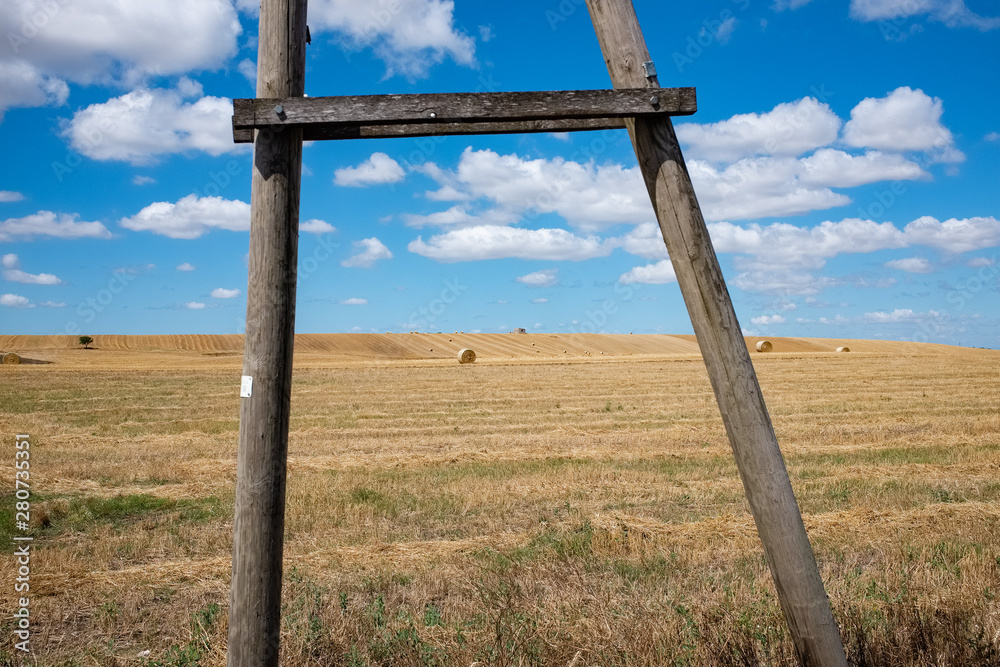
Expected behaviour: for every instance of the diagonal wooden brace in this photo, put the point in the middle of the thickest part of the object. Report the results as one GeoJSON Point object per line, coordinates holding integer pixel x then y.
{"type": "Point", "coordinates": [748, 425]}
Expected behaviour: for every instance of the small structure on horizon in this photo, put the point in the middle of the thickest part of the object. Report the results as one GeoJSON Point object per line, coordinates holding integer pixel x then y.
{"type": "Point", "coordinates": [520, 330]}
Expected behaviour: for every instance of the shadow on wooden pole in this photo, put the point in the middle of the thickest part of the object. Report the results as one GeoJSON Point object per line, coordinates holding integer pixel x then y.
{"type": "Point", "coordinates": [748, 425]}
{"type": "Point", "coordinates": [259, 524]}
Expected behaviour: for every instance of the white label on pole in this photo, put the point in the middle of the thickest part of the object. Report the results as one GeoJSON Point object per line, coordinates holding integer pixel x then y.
{"type": "Point", "coordinates": [246, 387]}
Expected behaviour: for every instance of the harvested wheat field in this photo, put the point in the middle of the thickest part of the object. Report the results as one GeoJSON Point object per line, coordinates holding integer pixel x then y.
{"type": "Point", "coordinates": [535, 507]}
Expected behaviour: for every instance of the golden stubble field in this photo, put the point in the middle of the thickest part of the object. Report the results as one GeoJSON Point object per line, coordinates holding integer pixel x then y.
{"type": "Point", "coordinates": [518, 511]}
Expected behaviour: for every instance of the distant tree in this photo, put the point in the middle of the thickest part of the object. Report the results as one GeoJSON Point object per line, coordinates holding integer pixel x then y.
{"type": "Point", "coordinates": [86, 341]}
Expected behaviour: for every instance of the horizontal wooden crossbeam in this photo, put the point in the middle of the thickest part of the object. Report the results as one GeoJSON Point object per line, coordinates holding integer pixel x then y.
{"type": "Point", "coordinates": [370, 116]}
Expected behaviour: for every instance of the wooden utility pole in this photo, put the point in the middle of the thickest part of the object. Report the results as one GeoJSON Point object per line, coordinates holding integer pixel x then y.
{"type": "Point", "coordinates": [748, 425]}
{"type": "Point", "coordinates": [259, 525]}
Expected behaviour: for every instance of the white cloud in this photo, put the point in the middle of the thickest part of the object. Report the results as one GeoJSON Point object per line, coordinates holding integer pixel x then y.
{"type": "Point", "coordinates": [496, 242]}
{"type": "Point", "coordinates": [499, 189]}
{"type": "Point", "coordinates": [141, 125]}
{"type": "Point", "coordinates": [248, 69]}
{"type": "Point", "coordinates": [781, 258]}
{"type": "Point", "coordinates": [903, 120]}
{"type": "Point", "coordinates": [23, 85]}
{"type": "Point", "coordinates": [954, 235]}
{"type": "Point", "coordinates": [367, 252]}
{"type": "Point", "coordinates": [186, 266]}
{"type": "Point", "coordinates": [900, 315]}
{"type": "Point", "coordinates": [191, 217]}
{"type": "Point", "coordinates": [194, 305]}
{"type": "Point", "coordinates": [354, 302]}
{"type": "Point", "coordinates": [316, 227]}
{"type": "Point", "coordinates": [13, 273]}
{"type": "Point", "coordinates": [725, 31]}
{"type": "Point", "coordinates": [410, 36]}
{"type": "Point", "coordinates": [15, 301]}
{"type": "Point", "coordinates": [979, 262]}
{"type": "Point", "coordinates": [722, 32]}
{"type": "Point", "coordinates": [786, 245]}
{"type": "Point", "coordinates": [880, 283]}
{"type": "Point", "coordinates": [143, 180]}
{"type": "Point", "coordinates": [758, 187]}
{"type": "Point", "coordinates": [546, 278]}
{"type": "Point", "coordinates": [764, 320]}
{"type": "Point", "coordinates": [953, 13]}
{"type": "Point", "coordinates": [781, 5]}
{"type": "Point", "coordinates": [47, 223]}
{"type": "Point", "coordinates": [461, 216]}
{"type": "Point", "coordinates": [53, 304]}
{"type": "Point", "coordinates": [911, 265]}
{"type": "Point", "coordinates": [992, 136]}
{"type": "Point", "coordinates": [652, 274]}
{"type": "Point", "coordinates": [223, 293]}
{"type": "Point", "coordinates": [790, 129]}
{"type": "Point", "coordinates": [774, 280]}
{"type": "Point", "coordinates": [379, 169]}
{"type": "Point", "coordinates": [539, 300]}
{"type": "Point", "coordinates": [588, 196]}
{"type": "Point", "coordinates": [97, 41]}
{"type": "Point", "coordinates": [780, 186]}
{"type": "Point", "coordinates": [644, 240]}
{"type": "Point", "coordinates": [10, 196]}
{"type": "Point", "coordinates": [834, 168]}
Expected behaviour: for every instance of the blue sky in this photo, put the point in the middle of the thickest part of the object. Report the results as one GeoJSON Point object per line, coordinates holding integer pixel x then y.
{"type": "Point", "coordinates": [844, 154]}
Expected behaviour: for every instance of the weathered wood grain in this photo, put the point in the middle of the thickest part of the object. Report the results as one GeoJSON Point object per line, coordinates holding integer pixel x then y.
{"type": "Point", "coordinates": [459, 113]}
{"type": "Point", "coordinates": [329, 132]}
{"type": "Point", "coordinates": [748, 424]}
{"type": "Point", "coordinates": [259, 522]}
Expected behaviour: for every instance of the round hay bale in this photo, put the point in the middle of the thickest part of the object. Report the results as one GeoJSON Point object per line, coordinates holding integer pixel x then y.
{"type": "Point", "coordinates": [843, 349]}
{"type": "Point", "coordinates": [11, 358]}
{"type": "Point", "coordinates": [466, 356]}
{"type": "Point", "coordinates": [764, 346]}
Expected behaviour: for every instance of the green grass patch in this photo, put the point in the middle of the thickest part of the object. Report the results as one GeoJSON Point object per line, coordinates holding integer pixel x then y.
{"type": "Point", "coordinates": [55, 515]}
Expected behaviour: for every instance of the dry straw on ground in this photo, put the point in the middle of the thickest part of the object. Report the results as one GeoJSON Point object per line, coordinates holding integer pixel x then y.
{"type": "Point", "coordinates": [531, 512]}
